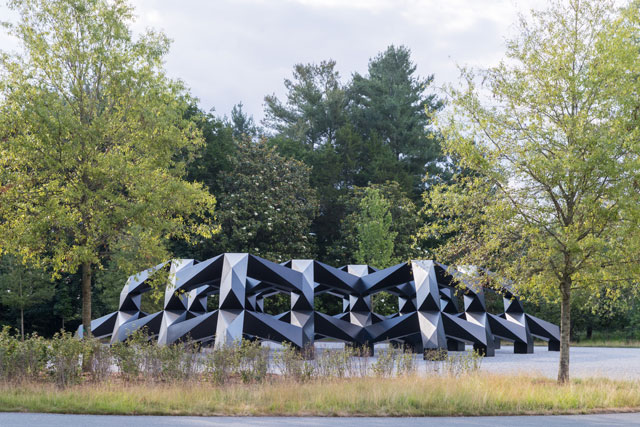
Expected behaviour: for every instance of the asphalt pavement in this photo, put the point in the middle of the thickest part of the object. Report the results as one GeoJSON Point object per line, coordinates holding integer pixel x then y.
{"type": "Point", "coordinates": [11, 419]}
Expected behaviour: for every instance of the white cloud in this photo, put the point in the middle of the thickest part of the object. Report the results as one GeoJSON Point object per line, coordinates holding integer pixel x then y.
{"type": "Point", "coordinates": [240, 50]}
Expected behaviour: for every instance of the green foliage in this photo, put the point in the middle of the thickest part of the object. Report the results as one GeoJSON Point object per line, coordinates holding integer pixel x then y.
{"type": "Point", "coordinates": [266, 205]}
{"type": "Point", "coordinates": [241, 124]}
{"type": "Point", "coordinates": [215, 156]}
{"type": "Point", "coordinates": [315, 105]}
{"type": "Point", "coordinates": [126, 354]}
{"type": "Point", "coordinates": [405, 223]}
{"type": "Point", "coordinates": [251, 361]}
{"type": "Point", "coordinates": [94, 142]}
{"type": "Point", "coordinates": [219, 364]}
{"type": "Point", "coordinates": [375, 129]}
{"type": "Point", "coordinates": [463, 363]}
{"type": "Point", "coordinates": [328, 304]}
{"type": "Point", "coordinates": [21, 360]}
{"type": "Point", "coordinates": [390, 103]}
{"type": "Point", "coordinates": [292, 364]}
{"type": "Point", "coordinates": [64, 359]}
{"type": "Point", "coordinates": [278, 303]}
{"type": "Point", "coordinates": [245, 360]}
{"type": "Point", "coordinates": [550, 202]}
{"type": "Point", "coordinates": [375, 238]}
{"type": "Point", "coordinates": [141, 358]}
{"type": "Point", "coordinates": [385, 362]}
{"type": "Point", "coordinates": [22, 287]}
{"type": "Point", "coordinates": [88, 111]}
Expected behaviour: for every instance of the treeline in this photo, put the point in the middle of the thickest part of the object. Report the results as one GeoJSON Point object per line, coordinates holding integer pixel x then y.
{"type": "Point", "coordinates": [108, 167]}
{"type": "Point", "coordinates": [292, 187]}
{"type": "Point", "coordinates": [335, 173]}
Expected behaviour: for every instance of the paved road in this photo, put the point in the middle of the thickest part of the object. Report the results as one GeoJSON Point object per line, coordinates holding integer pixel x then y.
{"type": "Point", "coordinates": [56, 420]}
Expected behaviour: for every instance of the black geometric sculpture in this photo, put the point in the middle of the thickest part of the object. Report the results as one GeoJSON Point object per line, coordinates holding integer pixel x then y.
{"type": "Point", "coordinates": [428, 315]}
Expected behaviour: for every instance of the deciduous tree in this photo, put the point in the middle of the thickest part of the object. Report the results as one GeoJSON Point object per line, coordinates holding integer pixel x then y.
{"type": "Point", "coordinates": [93, 142]}
{"type": "Point", "coordinates": [552, 148]}
{"type": "Point", "coordinates": [266, 205]}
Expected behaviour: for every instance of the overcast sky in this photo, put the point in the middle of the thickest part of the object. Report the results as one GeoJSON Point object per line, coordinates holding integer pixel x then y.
{"type": "Point", "coordinates": [229, 51]}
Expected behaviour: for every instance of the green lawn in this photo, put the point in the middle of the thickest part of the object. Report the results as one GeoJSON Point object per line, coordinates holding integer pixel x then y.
{"type": "Point", "coordinates": [607, 339]}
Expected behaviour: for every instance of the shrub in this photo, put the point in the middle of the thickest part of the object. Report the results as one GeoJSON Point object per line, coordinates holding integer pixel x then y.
{"type": "Point", "coordinates": [252, 361]}
{"type": "Point", "coordinates": [405, 362]}
{"type": "Point", "coordinates": [358, 365]}
{"type": "Point", "coordinates": [101, 358]}
{"type": "Point", "coordinates": [333, 363]}
{"type": "Point", "coordinates": [291, 363]}
{"type": "Point", "coordinates": [130, 355]}
{"type": "Point", "coordinates": [219, 363]}
{"type": "Point", "coordinates": [177, 362]}
{"type": "Point", "coordinates": [21, 360]}
{"type": "Point", "coordinates": [463, 363]}
{"type": "Point", "coordinates": [383, 366]}
{"type": "Point", "coordinates": [65, 359]}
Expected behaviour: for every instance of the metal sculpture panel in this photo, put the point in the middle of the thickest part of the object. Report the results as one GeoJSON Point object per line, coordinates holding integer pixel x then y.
{"type": "Point", "coordinates": [428, 315]}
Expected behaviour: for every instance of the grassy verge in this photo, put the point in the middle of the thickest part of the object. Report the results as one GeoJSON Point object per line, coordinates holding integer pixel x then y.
{"type": "Point", "coordinates": [608, 339]}
{"type": "Point", "coordinates": [477, 394]}
{"type": "Point", "coordinates": [621, 343]}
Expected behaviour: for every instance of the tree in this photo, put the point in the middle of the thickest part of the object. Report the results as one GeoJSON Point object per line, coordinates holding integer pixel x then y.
{"type": "Point", "coordinates": [242, 125]}
{"type": "Point", "coordinates": [551, 201]}
{"type": "Point", "coordinates": [307, 127]}
{"type": "Point", "coordinates": [94, 143]}
{"type": "Point", "coordinates": [375, 238]}
{"type": "Point", "coordinates": [314, 110]}
{"type": "Point", "coordinates": [66, 305]}
{"type": "Point", "coordinates": [375, 241]}
{"type": "Point", "coordinates": [22, 287]}
{"type": "Point", "coordinates": [390, 103]}
{"type": "Point", "coordinates": [214, 157]}
{"type": "Point", "coordinates": [405, 223]}
{"type": "Point", "coordinates": [266, 205]}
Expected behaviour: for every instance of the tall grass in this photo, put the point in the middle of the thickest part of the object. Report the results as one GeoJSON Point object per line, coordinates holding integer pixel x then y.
{"type": "Point", "coordinates": [409, 395]}
{"type": "Point", "coordinates": [245, 378]}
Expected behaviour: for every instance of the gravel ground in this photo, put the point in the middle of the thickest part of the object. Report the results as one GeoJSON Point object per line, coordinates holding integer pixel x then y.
{"type": "Point", "coordinates": [614, 363]}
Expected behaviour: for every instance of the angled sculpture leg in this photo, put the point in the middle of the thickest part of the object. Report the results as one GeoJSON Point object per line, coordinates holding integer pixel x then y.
{"type": "Point", "coordinates": [428, 304]}
{"type": "Point", "coordinates": [455, 345]}
{"type": "Point", "coordinates": [302, 303]}
{"type": "Point", "coordinates": [545, 330]}
{"type": "Point", "coordinates": [230, 324]}
{"type": "Point", "coordinates": [514, 312]}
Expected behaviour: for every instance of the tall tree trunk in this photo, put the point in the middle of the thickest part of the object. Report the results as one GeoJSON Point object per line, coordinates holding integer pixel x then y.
{"type": "Point", "coordinates": [22, 303]}
{"type": "Point", "coordinates": [86, 299]}
{"type": "Point", "coordinates": [565, 331]}
{"type": "Point", "coordinates": [86, 314]}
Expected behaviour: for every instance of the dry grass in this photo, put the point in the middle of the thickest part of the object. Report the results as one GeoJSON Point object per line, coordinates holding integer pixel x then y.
{"type": "Point", "coordinates": [477, 394]}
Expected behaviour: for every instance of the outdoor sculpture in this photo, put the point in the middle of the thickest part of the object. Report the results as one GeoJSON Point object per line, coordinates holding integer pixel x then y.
{"type": "Point", "coordinates": [428, 315]}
